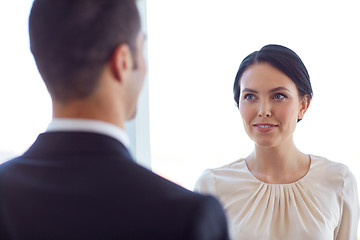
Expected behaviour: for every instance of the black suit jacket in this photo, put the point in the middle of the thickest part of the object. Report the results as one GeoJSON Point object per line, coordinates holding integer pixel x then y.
{"type": "Point", "coordinates": [77, 185]}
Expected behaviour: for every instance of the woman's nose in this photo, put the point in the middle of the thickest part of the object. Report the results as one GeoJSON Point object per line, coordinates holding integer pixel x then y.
{"type": "Point", "coordinates": [264, 109]}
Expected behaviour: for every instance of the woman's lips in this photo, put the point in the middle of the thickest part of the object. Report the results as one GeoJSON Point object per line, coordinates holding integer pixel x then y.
{"type": "Point", "coordinates": [264, 127]}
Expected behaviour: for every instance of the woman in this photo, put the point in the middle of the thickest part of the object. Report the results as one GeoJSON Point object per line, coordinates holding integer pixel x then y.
{"type": "Point", "coordinates": [278, 192]}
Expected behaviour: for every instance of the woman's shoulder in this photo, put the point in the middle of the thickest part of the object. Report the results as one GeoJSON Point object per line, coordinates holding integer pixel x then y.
{"type": "Point", "coordinates": [235, 166]}
{"type": "Point", "coordinates": [323, 164]}
{"type": "Point", "coordinates": [209, 177]}
{"type": "Point", "coordinates": [330, 172]}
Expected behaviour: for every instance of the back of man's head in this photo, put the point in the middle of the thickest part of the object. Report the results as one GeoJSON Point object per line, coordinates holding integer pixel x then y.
{"type": "Point", "coordinates": [72, 40]}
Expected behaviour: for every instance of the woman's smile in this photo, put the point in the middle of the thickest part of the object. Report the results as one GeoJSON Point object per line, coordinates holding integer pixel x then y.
{"type": "Point", "coordinates": [264, 127]}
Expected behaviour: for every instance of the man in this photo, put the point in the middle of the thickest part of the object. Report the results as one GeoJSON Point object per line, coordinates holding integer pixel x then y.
{"type": "Point", "coordinates": [78, 180]}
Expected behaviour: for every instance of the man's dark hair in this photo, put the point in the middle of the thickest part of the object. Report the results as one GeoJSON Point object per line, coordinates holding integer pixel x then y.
{"type": "Point", "coordinates": [72, 40]}
{"type": "Point", "coordinates": [281, 58]}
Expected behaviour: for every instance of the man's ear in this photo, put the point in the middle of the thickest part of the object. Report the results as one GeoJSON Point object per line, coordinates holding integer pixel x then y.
{"type": "Point", "coordinates": [304, 105]}
{"type": "Point", "coordinates": [121, 62]}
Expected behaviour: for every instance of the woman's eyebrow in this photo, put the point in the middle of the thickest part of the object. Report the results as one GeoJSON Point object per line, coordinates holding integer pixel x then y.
{"type": "Point", "coordinates": [279, 89]}
{"type": "Point", "coordinates": [249, 90]}
{"type": "Point", "coordinates": [271, 91]}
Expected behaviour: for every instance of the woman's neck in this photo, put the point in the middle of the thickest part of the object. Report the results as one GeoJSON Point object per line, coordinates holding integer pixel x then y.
{"type": "Point", "coordinates": [280, 164]}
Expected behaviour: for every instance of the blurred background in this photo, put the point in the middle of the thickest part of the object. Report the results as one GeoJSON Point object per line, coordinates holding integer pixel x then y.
{"type": "Point", "coordinates": [194, 48]}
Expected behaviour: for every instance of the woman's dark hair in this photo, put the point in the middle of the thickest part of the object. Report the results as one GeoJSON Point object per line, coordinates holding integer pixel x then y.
{"type": "Point", "coordinates": [281, 58]}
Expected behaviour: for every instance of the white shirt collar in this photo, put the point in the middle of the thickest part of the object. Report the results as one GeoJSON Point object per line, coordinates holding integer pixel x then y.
{"type": "Point", "coordinates": [89, 125]}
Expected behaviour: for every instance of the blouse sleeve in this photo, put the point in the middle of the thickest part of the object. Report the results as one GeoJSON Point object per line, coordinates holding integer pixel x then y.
{"type": "Point", "coordinates": [347, 228]}
{"type": "Point", "coordinates": [205, 183]}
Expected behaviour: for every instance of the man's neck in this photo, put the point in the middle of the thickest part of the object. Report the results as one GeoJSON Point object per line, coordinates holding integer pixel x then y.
{"type": "Point", "coordinates": [87, 109]}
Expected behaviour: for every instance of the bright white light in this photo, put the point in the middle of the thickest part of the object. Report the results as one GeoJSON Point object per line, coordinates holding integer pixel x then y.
{"type": "Point", "coordinates": [195, 48]}
{"type": "Point", "coordinates": [25, 108]}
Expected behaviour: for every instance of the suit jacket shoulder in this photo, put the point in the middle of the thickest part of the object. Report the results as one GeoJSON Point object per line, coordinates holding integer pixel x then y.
{"type": "Point", "coordinates": [77, 185]}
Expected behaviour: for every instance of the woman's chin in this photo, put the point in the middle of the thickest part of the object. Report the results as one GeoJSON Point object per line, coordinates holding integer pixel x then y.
{"type": "Point", "coordinates": [265, 143]}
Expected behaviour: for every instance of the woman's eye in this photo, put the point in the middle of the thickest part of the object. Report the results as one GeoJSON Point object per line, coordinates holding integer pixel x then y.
{"type": "Point", "coordinates": [249, 97]}
{"type": "Point", "coordinates": [279, 96]}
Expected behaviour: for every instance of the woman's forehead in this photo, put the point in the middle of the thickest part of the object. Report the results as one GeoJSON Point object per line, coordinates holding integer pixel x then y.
{"type": "Point", "coordinates": [263, 75]}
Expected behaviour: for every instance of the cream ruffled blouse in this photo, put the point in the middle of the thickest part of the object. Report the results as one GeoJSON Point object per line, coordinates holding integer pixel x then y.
{"type": "Point", "coordinates": [322, 205]}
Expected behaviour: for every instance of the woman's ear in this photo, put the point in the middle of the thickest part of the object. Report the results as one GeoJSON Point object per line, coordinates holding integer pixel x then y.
{"type": "Point", "coordinates": [304, 105]}
{"type": "Point", "coordinates": [121, 62]}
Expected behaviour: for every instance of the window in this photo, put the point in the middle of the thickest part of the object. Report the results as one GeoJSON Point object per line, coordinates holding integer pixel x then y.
{"type": "Point", "coordinates": [25, 105]}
